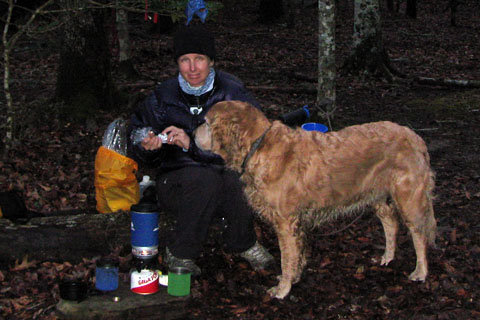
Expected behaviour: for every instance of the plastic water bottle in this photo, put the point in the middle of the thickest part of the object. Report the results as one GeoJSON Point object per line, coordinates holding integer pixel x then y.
{"type": "Point", "coordinates": [144, 184]}
{"type": "Point", "coordinates": [139, 134]}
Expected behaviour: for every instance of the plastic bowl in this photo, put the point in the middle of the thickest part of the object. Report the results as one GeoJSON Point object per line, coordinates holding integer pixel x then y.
{"type": "Point", "coordinates": [313, 126]}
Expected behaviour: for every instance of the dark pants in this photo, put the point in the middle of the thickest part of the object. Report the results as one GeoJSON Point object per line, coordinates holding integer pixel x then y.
{"type": "Point", "coordinates": [196, 195]}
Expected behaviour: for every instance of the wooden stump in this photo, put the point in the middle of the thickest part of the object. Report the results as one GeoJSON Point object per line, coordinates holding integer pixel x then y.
{"type": "Point", "coordinates": [124, 304]}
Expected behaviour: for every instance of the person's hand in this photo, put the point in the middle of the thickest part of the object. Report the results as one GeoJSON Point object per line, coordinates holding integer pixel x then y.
{"type": "Point", "coordinates": [151, 142]}
{"type": "Point", "coordinates": [177, 137]}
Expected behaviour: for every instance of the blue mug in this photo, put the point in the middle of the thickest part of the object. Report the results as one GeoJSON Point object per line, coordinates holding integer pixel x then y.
{"type": "Point", "coordinates": [106, 275]}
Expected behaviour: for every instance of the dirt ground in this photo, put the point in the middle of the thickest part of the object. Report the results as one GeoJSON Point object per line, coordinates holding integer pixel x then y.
{"type": "Point", "coordinates": [53, 167]}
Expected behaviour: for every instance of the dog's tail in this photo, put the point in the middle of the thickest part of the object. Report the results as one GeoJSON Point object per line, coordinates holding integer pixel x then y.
{"type": "Point", "coordinates": [431, 223]}
{"type": "Point", "coordinates": [420, 147]}
{"type": "Point", "coordinates": [431, 226]}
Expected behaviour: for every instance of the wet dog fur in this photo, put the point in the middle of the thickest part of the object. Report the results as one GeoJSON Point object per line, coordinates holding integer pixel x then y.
{"type": "Point", "coordinates": [296, 179]}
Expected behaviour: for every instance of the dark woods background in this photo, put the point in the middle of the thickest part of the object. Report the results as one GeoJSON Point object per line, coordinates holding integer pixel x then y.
{"type": "Point", "coordinates": [274, 51]}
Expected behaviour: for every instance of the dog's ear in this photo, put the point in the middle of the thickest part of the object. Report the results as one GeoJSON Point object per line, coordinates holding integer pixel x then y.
{"type": "Point", "coordinates": [224, 138]}
{"type": "Point", "coordinates": [226, 133]}
{"type": "Point", "coordinates": [233, 141]}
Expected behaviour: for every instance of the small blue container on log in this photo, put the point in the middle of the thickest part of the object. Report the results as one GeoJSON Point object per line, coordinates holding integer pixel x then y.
{"type": "Point", "coordinates": [106, 275]}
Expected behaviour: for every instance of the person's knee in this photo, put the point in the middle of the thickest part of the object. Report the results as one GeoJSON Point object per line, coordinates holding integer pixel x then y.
{"type": "Point", "coordinates": [205, 180]}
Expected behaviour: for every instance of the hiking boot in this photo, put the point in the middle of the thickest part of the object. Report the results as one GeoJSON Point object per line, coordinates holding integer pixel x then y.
{"type": "Point", "coordinates": [257, 256]}
{"type": "Point", "coordinates": [173, 262]}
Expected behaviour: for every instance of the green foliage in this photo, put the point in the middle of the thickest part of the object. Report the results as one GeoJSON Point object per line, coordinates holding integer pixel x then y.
{"type": "Point", "coordinates": [176, 8]}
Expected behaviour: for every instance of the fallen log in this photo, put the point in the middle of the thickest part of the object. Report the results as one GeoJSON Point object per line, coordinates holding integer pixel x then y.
{"type": "Point", "coordinates": [449, 82]}
{"type": "Point", "coordinates": [64, 238]}
{"type": "Point", "coordinates": [283, 89]}
{"type": "Point", "coordinates": [124, 304]}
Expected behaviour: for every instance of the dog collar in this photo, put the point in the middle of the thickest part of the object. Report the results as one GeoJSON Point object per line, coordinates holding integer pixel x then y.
{"type": "Point", "coordinates": [255, 145]}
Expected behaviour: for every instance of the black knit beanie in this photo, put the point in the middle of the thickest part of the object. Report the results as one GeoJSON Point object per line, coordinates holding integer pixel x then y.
{"type": "Point", "coordinates": [193, 39]}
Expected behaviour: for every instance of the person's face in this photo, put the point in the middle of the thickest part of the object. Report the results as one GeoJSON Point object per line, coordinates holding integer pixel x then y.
{"type": "Point", "coordinates": [194, 68]}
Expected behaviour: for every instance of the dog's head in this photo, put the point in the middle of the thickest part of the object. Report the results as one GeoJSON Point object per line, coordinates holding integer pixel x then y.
{"type": "Point", "coordinates": [229, 130]}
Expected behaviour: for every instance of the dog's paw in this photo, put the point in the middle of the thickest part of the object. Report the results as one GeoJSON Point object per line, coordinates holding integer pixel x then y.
{"type": "Point", "coordinates": [279, 291]}
{"type": "Point", "coordinates": [386, 259]}
{"type": "Point", "coordinates": [417, 276]}
{"type": "Point", "coordinates": [275, 292]}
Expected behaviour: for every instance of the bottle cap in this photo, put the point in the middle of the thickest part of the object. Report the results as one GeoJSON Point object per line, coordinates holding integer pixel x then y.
{"type": "Point", "coordinates": [144, 206]}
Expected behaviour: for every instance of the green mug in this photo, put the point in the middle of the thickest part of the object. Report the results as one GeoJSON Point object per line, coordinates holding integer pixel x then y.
{"type": "Point", "coordinates": [179, 281]}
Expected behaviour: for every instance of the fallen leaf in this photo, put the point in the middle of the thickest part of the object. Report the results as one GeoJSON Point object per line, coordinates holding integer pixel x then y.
{"type": "Point", "coordinates": [453, 236]}
{"type": "Point", "coordinates": [325, 262]}
{"type": "Point", "coordinates": [5, 289]}
{"type": "Point", "coordinates": [359, 276]}
{"type": "Point", "coordinates": [81, 196]}
{"type": "Point", "coordinates": [240, 310]}
{"type": "Point", "coordinates": [46, 188]}
{"type": "Point", "coordinates": [462, 293]}
{"type": "Point", "coordinates": [449, 268]}
{"type": "Point", "coordinates": [25, 264]}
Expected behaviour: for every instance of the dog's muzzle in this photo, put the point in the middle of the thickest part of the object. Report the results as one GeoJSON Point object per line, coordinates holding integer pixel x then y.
{"type": "Point", "coordinates": [202, 137]}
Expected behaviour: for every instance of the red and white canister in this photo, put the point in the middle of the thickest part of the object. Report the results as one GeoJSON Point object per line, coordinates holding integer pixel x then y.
{"type": "Point", "coordinates": [144, 281]}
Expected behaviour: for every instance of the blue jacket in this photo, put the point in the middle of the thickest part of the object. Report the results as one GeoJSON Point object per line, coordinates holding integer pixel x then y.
{"type": "Point", "coordinates": [169, 105]}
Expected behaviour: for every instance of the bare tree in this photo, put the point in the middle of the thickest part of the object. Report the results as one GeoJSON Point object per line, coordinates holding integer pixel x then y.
{"type": "Point", "coordinates": [270, 11]}
{"type": "Point", "coordinates": [9, 42]}
{"type": "Point", "coordinates": [368, 53]}
{"type": "Point", "coordinates": [411, 10]}
{"type": "Point", "coordinates": [84, 79]}
{"type": "Point", "coordinates": [125, 66]}
{"type": "Point", "coordinates": [390, 5]}
{"type": "Point", "coordinates": [326, 58]}
{"type": "Point", "coordinates": [452, 6]}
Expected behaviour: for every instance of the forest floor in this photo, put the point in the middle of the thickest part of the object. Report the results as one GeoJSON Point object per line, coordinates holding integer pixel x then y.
{"type": "Point", "coordinates": [53, 167]}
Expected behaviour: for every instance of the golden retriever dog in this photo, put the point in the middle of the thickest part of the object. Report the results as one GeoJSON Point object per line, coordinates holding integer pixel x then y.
{"type": "Point", "coordinates": [296, 179]}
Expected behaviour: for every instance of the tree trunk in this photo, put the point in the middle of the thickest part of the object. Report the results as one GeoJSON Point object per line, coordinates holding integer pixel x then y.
{"type": "Point", "coordinates": [390, 5]}
{"type": "Point", "coordinates": [453, 4]}
{"type": "Point", "coordinates": [453, 83]}
{"type": "Point", "coordinates": [326, 56]}
{"type": "Point", "coordinates": [368, 55]}
{"type": "Point", "coordinates": [9, 41]}
{"type": "Point", "coordinates": [159, 306]}
{"type": "Point", "coordinates": [7, 128]}
{"type": "Point", "coordinates": [270, 11]}
{"type": "Point", "coordinates": [64, 238]}
{"type": "Point", "coordinates": [84, 80]}
{"type": "Point", "coordinates": [291, 16]}
{"type": "Point", "coordinates": [411, 10]}
{"type": "Point", "coordinates": [125, 63]}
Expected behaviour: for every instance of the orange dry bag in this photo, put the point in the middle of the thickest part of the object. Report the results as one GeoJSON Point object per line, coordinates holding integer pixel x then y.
{"type": "Point", "coordinates": [116, 186]}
